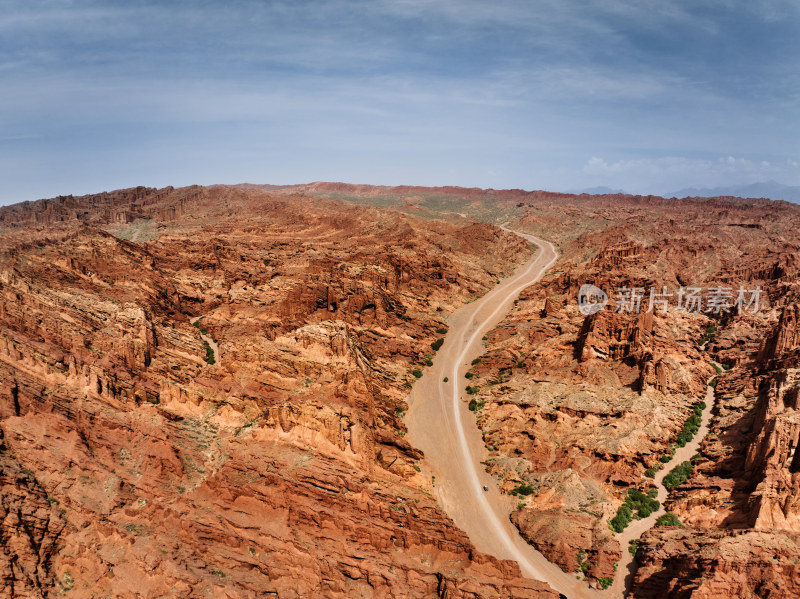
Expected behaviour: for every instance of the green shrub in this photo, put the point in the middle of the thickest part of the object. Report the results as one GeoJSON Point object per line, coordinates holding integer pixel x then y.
{"type": "Point", "coordinates": [692, 425]}
{"type": "Point", "coordinates": [445, 379]}
{"type": "Point", "coordinates": [442, 331]}
{"type": "Point", "coordinates": [651, 471]}
{"type": "Point", "coordinates": [476, 405]}
{"type": "Point", "coordinates": [428, 359]}
{"type": "Point", "coordinates": [678, 475]}
{"type": "Point", "coordinates": [622, 519]}
{"type": "Point", "coordinates": [716, 368]}
{"type": "Point", "coordinates": [637, 505]}
{"type": "Point", "coordinates": [209, 353]}
{"type": "Point", "coordinates": [708, 335]}
{"type": "Point", "coordinates": [417, 373]}
{"type": "Point", "coordinates": [668, 519]}
{"type": "Point", "coordinates": [633, 547]}
{"type": "Point", "coordinates": [606, 581]}
{"type": "Point", "coordinates": [523, 489]}
{"type": "Point", "coordinates": [643, 503]}
{"type": "Point", "coordinates": [476, 361]}
{"type": "Point", "coordinates": [473, 390]}
{"type": "Point", "coordinates": [469, 375]}
{"type": "Point", "coordinates": [437, 344]}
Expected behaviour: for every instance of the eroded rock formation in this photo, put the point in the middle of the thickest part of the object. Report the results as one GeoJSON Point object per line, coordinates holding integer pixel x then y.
{"type": "Point", "coordinates": [132, 466]}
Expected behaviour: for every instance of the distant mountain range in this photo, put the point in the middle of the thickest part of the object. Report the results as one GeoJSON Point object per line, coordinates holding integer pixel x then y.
{"type": "Point", "coordinates": [768, 189]}
{"type": "Point", "coordinates": [601, 190]}
{"type": "Point", "coordinates": [765, 189]}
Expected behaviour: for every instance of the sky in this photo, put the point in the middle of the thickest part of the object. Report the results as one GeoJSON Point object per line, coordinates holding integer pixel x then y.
{"type": "Point", "coordinates": [536, 94]}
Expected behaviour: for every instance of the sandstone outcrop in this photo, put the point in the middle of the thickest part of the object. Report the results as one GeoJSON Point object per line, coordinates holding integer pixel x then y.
{"type": "Point", "coordinates": [785, 338]}
{"type": "Point", "coordinates": [131, 465]}
{"type": "Point", "coordinates": [687, 563]}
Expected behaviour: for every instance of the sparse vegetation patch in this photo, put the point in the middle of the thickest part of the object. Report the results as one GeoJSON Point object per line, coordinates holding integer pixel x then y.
{"type": "Point", "coordinates": [668, 519]}
{"type": "Point", "coordinates": [678, 475]}
{"type": "Point", "coordinates": [637, 505]}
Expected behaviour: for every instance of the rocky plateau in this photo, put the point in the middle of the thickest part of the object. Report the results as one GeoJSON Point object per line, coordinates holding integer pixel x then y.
{"type": "Point", "coordinates": [202, 391]}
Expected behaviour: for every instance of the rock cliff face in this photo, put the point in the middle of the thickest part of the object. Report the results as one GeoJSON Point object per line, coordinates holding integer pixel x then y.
{"type": "Point", "coordinates": [740, 506]}
{"type": "Point", "coordinates": [131, 465]}
{"type": "Point", "coordinates": [738, 509]}
{"type": "Point", "coordinates": [30, 533]}
{"type": "Point", "coordinates": [685, 563]}
{"type": "Point", "coordinates": [785, 339]}
{"type": "Point", "coordinates": [116, 208]}
{"type": "Point", "coordinates": [609, 335]}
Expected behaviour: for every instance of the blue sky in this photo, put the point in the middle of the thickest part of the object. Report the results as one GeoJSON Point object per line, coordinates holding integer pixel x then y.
{"type": "Point", "coordinates": [539, 94]}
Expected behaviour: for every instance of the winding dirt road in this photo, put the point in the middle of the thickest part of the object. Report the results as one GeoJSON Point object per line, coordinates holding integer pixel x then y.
{"type": "Point", "coordinates": [441, 425]}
